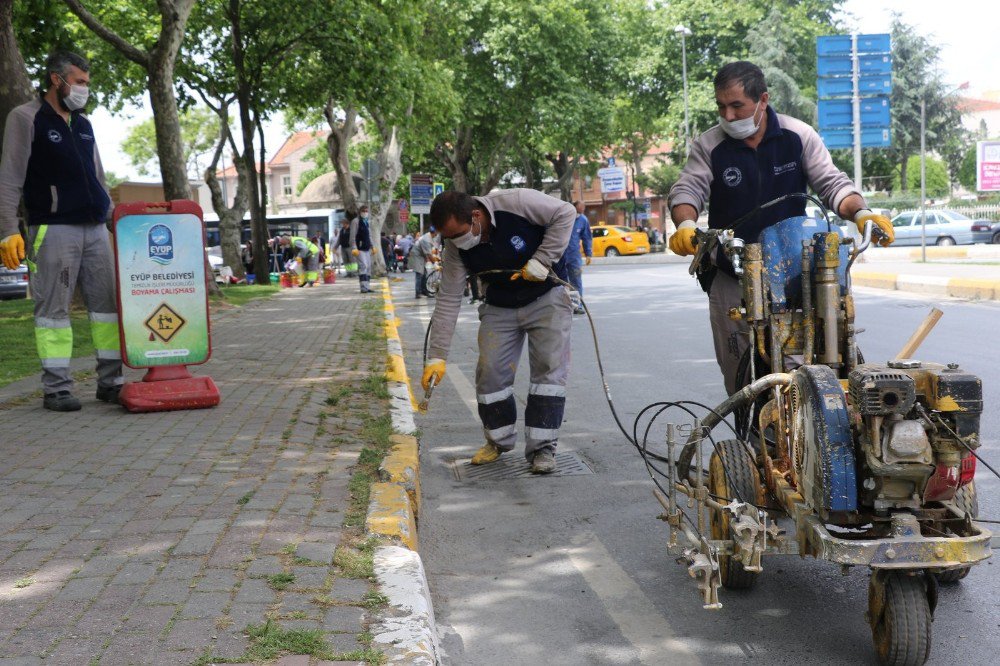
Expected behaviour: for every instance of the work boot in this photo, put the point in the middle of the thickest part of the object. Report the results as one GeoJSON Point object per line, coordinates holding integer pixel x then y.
{"type": "Point", "coordinates": [490, 452]}
{"type": "Point", "coordinates": [543, 462]}
{"type": "Point", "coordinates": [579, 311]}
{"type": "Point", "coordinates": [61, 401]}
{"type": "Point", "coordinates": [109, 393]}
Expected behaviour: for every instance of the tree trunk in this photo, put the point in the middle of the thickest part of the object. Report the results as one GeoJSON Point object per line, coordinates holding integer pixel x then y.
{"type": "Point", "coordinates": [169, 146]}
{"type": "Point", "coordinates": [338, 144]}
{"type": "Point", "coordinates": [903, 181]}
{"type": "Point", "coordinates": [15, 86]}
{"type": "Point", "coordinates": [390, 169]}
{"type": "Point", "coordinates": [230, 217]}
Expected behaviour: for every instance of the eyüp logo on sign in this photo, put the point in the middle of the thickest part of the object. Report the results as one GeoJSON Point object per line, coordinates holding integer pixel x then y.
{"type": "Point", "coordinates": [161, 244]}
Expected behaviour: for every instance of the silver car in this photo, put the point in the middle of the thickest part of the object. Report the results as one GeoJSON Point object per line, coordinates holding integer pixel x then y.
{"type": "Point", "coordinates": [13, 283]}
{"type": "Point", "coordinates": [943, 227]}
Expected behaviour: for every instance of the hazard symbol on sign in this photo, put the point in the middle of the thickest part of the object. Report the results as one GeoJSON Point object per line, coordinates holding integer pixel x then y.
{"type": "Point", "coordinates": [164, 322]}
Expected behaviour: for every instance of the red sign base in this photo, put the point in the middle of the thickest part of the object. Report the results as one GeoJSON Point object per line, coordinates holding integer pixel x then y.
{"type": "Point", "coordinates": [167, 388]}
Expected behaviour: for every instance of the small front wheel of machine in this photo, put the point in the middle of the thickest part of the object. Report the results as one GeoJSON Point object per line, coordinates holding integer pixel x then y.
{"type": "Point", "coordinates": [732, 474]}
{"type": "Point", "coordinates": [899, 613]}
{"type": "Point", "coordinates": [945, 240]}
{"type": "Point", "coordinates": [612, 252]}
{"type": "Point", "coordinates": [434, 281]}
{"type": "Point", "coordinates": [968, 502]}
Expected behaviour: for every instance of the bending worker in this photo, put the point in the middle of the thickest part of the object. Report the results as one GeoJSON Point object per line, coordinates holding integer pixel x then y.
{"type": "Point", "coordinates": [50, 157]}
{"type": "Point", "coordinates": [523, 233]}
{"type": "Point", "coordinates": [574, 262]}
{"type": "Point", "coordinates": [752, 156]}
{"type": "Point", "coordinates": [307, 254]}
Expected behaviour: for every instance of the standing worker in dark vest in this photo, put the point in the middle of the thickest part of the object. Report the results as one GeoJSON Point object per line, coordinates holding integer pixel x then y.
{"type": "Point", "coordinates": [50, 157]}
{"type": "Point", "coordinates": [361, 248]}
{"type": "Point", "coordinates": [523, 233]}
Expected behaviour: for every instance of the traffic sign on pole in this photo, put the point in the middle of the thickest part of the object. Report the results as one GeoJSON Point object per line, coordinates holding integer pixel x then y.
{"type": "Point", "coordinates": [421, 193]}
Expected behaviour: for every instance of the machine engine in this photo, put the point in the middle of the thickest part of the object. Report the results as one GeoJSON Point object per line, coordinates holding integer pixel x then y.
{"type": "Point", "coordinates": [911, 420]}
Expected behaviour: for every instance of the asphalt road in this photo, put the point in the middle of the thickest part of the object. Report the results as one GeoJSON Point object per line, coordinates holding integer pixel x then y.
{"type": "Point", "coordinates": [574, 570]}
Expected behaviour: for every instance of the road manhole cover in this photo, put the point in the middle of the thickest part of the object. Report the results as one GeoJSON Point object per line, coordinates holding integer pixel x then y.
{"type": "Point", "coordinates": [514, 466]}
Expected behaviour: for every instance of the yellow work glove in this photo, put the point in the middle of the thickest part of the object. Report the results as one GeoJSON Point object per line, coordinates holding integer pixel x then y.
{"type": "Point", "coordinates": [533, 271]}
{"type": "Point", "coordinates": [355, 252]}
{"type": "Point", "coordinates": [12, 251]}
{"type": "Point", "coordinates": [682, 240]}
{"type": "Point", "coordinates": [433, 370]}
{"type": "Point", "coordinates": [881, 221]}
{"type": "Point", "coordinates": [588, 261]}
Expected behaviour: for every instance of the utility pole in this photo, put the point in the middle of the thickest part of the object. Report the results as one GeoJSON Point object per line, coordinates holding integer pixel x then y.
{"type": "Point", "coordinates": [683, 31]}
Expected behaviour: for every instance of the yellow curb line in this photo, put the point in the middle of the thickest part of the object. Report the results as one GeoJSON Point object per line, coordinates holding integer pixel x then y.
{"type": "Point", "coordinates": [395, 500]}
{"type": "Point", "coordinates": [973, 288]}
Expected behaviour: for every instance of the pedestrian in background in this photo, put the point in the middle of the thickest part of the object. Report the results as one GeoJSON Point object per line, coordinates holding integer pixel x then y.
{"type": "Point", "coordinates": [344, 245]}
{"type": "Point", "coordinates": [522, 234]}
{"type": "Point", "coordinates": [387, 254]}
{"type": "Point", "coordinates": [361, 248]}
{"type": "Point", "coordinates": [50, 158]}
{"type": "Point", "coordinates": [305, 254]}
{"type": "Point", "coordinates": [420, 254]}
{"type": "Point", "coordinates": [574, 261]}
{"type": "Point", "coordinates": [404, 244]}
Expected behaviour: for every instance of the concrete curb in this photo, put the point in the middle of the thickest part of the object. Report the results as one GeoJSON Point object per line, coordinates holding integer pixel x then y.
{"type": "Point", "coordinates": [406, 631]}
{"type": "Point", "coordinates": [967, 288]}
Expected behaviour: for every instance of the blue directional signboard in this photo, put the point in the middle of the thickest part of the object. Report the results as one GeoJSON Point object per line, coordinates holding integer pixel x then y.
{"type": "Point", "coordinates": [849, 67]}
{"type": "Point", "coordinates": [421, 193]}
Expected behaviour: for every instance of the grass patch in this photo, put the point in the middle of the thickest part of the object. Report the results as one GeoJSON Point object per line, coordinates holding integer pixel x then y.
{"type": "Point", "coordinates": [281, 581]}
{"type": "Point", "coordinates": [368, 655]}
{"type": "Point", "coordinates": [354, 563]}
{"type": "Point", "coordinates": [376, 385]}
{"type": "Point", "coordinates": [268, 641]}
{"type": "Point", "coordinates": [246, 498]}
{"type": "Point", "coordinates": [241, 294]}
{"type": "Point", "coordinates": [23, 582]}
{"type": "Point", "coordinates": [374, 600]}
{"type": "Point", "coordinates": [17, 339]}
{"type": "Point", "coordinates": [336, 396]}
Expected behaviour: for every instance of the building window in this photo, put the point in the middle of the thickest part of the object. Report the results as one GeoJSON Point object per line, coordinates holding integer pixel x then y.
{"type": "Point", "coordinates": [286, 185]}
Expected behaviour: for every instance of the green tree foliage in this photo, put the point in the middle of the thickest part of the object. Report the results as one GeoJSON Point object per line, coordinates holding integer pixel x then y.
{"type": "Point", "coordinates": [916, 78]}
{"type": "Point", "coordinates": [967, 170]}
{"type": "Point", "coordinates": [938, 184]}
{"type": "Point", "coordinates": [199, 133]}
{"type": "Point", "coordinates": [773, 47]}
{"type": "Point", "coordinates": [660, 178]}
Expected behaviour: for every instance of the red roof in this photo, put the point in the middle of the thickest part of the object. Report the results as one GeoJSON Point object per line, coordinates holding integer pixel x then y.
{"type": "Point", "coordinates": [230, 171]}
{"type": "Point", "coordinates": [295, 142]}
{"type": "Point", "coordinates": [970, 105]}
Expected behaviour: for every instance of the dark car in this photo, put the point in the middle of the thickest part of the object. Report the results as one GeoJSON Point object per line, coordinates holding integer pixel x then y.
{"type": "Point", "coordinates": [13, 283]}
{"type": "Point", "coordinates": [984, 231]}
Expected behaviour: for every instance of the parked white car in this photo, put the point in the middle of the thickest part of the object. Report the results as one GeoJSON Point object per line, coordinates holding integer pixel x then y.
{"type": "Point", "coordinates": [943, 227]}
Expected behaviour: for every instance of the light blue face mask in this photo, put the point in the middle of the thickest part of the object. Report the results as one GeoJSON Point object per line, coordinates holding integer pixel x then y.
{"type": "Point", "coordinates": [468, 240]}
{"type": "Point", "coordinates": [743, 128]}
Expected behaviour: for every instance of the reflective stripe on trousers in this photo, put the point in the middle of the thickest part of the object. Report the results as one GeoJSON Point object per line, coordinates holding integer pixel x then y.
{"type": "Point", "coordinates": [546, 323]}
{"type": "Point", "coordinates": [64, 256]}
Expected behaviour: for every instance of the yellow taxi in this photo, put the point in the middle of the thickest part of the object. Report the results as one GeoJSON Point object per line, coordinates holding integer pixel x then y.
{"type": "Point", "coordinates": [612, 241]}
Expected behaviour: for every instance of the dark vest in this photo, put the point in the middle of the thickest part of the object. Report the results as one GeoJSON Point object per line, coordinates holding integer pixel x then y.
{"type": "Point", "coordinates": [61, 185]}
{"type": "Point", "coordinates": [363, 237]}
{"type": "Point", "coordinates": [513, 241]}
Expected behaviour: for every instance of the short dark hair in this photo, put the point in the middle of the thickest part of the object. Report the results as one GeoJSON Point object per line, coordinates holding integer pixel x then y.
{"type": "Point", "coordinates": [59, 63]}
{"type": "Point", "coordinates": [746, 74]}
{"type": "Point", "coordinates": [452, 204]}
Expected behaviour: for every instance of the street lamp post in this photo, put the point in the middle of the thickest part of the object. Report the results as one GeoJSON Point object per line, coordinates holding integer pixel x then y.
{"type": "Point", "coordinates": [684, 32]}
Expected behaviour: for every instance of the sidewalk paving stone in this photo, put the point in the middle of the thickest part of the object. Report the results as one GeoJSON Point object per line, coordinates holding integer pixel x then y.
{"type": "Point", "coordinates": [148, 538]}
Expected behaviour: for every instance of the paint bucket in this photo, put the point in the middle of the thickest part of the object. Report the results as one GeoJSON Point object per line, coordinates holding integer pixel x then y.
{"type": "Point", "coordinates": [286, 280]}
{"type": "Point", "coordinates": [329, 277]}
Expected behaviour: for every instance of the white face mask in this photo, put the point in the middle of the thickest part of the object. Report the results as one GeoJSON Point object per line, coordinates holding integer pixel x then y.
{"type": "Point", "coordinates": [468, 240]}
{"type": "Point", "coordinates": [743, 128]}
{"type": "Point", "coordinates": [77, 97]}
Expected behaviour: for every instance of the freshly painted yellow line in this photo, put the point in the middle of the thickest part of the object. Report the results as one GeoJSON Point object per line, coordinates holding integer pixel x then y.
{"type": "Point", "coordinates": [396, 368]}
{"type": "Point", "coordinates": [390, 515]}
{"type": "Point", "coordinates": [402, 466]}
{"type": "Point", "coordinates": [877, 280]}
{"type": "Point", "coordinates": [973, 288]}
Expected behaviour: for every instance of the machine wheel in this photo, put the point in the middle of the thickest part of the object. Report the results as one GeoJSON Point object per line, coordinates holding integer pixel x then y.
{"type": "Point", "coordinates": [434, 281]}
{"type": "Point", "coordinates": [900, 616]}
{"type": "Point", "coordinates": [732, 474]}
{"type": "Point", "coordinates": [945, 240]}
{"type": "Point", "coordinates": [967, 501]}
